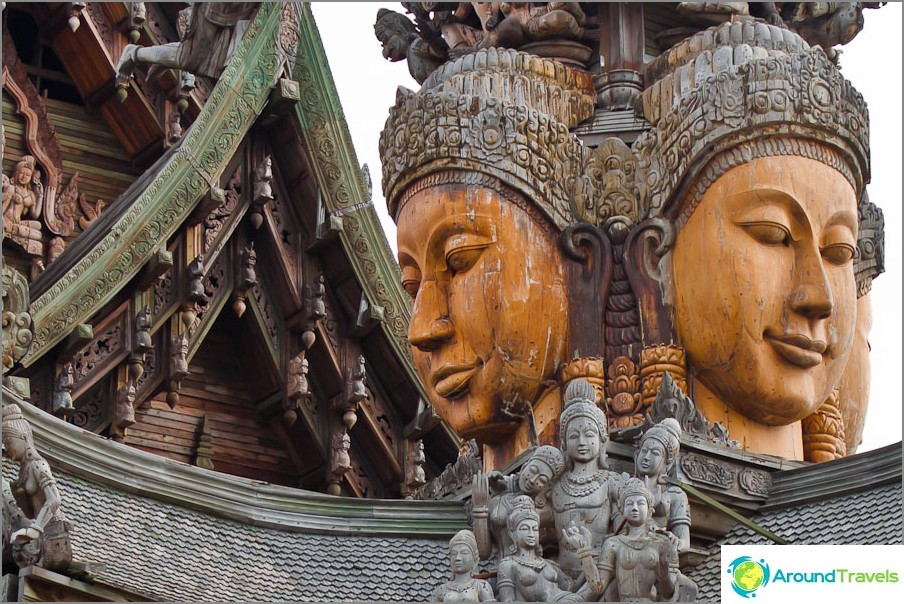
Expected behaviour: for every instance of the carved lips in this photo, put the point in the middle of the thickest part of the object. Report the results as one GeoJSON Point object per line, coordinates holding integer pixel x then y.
{"type": "Point", "coordinates": [451, 381]}
{"type": "Point", "coordinates": [798, 349]}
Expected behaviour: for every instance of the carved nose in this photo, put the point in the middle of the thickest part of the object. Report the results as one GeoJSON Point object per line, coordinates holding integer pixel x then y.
{"type": "Point", "coordinates": [812, 296]}
{"type": "Point", "coordinates": [438, 331]}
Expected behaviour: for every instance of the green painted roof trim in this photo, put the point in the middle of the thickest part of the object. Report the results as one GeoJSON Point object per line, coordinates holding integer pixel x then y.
{"type": "Point", "coordinates": [345, 192]}
{"type": "Point", "coordinates": [96, 459]}
{"type": "Point", "coordinates": [175, 190]}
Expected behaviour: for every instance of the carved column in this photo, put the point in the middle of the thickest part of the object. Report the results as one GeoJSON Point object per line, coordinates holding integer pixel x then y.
{"type": "Point", "coordinates": [622, 49]}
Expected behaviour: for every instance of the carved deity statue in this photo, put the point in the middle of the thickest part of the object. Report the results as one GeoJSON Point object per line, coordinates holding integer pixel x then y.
{"type": "Point", "coordinates": [490, 513]}
{"type": "Point", "coordinates": [44, 540]}
{"type": "Point", "coordinates": [777, 166]}
{"type": "Point", "coordinates": [511, 234]}
{"type": "Point", "coordinates": [214, 30]}
{"type": "Point", "coordinates": [479, 231]}
{"type": "Point", "coordinates": [586, 493]}
{"type": "Point", "coordinates": [463, 560]}
{"type": "Point", "coordinates": [524, 576]}
{"type": "Point", "coordinates": [340, 462]}
{"type": "Point", "coordinates": [22, 203]}
{"type": "Point", "coordinates": [639, 565]}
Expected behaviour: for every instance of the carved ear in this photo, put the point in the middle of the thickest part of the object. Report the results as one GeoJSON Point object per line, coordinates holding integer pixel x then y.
{"type": "Point", "coordinates": [645, 248]}
{"type": "Point", "coordinates": [588, 254]}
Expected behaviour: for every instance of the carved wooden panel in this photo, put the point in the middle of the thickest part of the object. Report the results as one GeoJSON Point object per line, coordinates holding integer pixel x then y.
{"type": "Point", "coordinates": [268, 317]}
{"type": "Point", "coordinates": [707, 471]}
{"type": "Point", "coordinates": [94, 411]}
{"type": "Point", "coordinates": [110, 345]}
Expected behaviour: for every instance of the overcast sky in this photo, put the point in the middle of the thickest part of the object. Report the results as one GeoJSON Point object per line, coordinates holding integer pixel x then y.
{"type": "Point", "coordinates": [367, 85]}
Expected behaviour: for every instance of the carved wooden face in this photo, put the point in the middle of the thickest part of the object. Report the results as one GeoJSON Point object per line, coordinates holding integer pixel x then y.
{"type": "Point", "coordinates": [764, 291]}
{"type": "Point", "coordinates": [527, 534]}
{"type": "Point", "coordinates": [489, 320]}
{"type": "Point", "coordinates": [461, 558]}
{"type": "Point", "coordinates": [636, 509]}
{"type": "Point", "coordinates": [650, 458]}
{"type": "Point", "coordinates": [534, 477]}
{"type": "Point", "coordinates": [582, 440]}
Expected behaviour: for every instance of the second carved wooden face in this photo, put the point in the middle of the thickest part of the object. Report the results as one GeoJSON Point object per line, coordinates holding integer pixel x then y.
{"type": "Point", "coordinates": [764, 291]}
{"type": "Point", "coordinates": [489, 321]}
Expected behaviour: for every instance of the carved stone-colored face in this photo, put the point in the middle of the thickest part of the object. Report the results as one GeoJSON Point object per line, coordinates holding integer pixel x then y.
{"type": "Point", "coordinates": [489, 320]}
{"type": "Point", "coordinates": [650, 458]}
{"type": "Point", "coordinates": [636, 509]}
{"type": "Point", "coordinates": [461, 559]}
{"type": "Point", "coordinates": [14, 446]}
{"type": "Point", "coordinates": [527, 534]}
{"type": "Point", "coordinates": [534, 477]}
{"type": "Point", "coordinates": [764, 290]}
{"type": "Point", "coordinates": [582, 440]}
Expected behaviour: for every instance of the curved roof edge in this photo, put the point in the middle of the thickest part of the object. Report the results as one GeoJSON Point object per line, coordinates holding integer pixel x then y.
{"type": "Point", "coordinates": [97, 459]}
{"type": "Point", "coordinates": [114, 253]}
{"type": "Point", "coordinates": [851, 474]}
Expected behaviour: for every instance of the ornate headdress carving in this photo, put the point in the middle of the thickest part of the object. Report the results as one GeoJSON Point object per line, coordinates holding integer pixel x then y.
{"type": "Point", "coordinates": [635, 486]}
{"type": "Point", "coordinates": [14, 423]}
{"type": "Point", "coordinates": [552, 457]}
{"type": "Point", "coordinates": [522, 508]}
{"type": "Point", "coordinates": [580, 401]}
{"type": "Point", "coordinates": [738, 91]}
{"type": "Point", "coordinates": [465, 537]}
{"type": "Point", "coordinates": [667, 432]}
{"type": "Point", "coordinates": [495, 112]}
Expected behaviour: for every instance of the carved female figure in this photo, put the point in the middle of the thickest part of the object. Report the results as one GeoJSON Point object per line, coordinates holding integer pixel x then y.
{"type": "Point", "coordinates": [654, 461]}
{"type": "Point", "coordinates": [21, 200]}
{"type": "Point", "coordinates": [463, 560]}
{"type": "Point", "coordinates": [585, 494]}
{"type": "Point", "coordinates": [524, 576]}
{"type": "Point", "coordinates": [490, 514]}
{"type": "Point", "coordinates": [640, 565]}
{"type": "Point", "coordinates": [45, 539]}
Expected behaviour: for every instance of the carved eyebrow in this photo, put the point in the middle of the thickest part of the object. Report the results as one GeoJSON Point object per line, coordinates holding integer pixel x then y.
{"type": "Point", "coordinates": [843, 218]}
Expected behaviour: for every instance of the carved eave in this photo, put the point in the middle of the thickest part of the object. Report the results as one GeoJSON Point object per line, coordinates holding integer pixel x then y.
{"type": "Point", "coordinates": [127, 236]}
{"type": "Point", "coordinates": [319, 120]}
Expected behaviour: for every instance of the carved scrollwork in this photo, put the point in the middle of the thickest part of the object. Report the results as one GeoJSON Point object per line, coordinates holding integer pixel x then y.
{"type": "Point", "coordinates": [708, 471]}
{"type": "Point", "coordinates": [17, 323]}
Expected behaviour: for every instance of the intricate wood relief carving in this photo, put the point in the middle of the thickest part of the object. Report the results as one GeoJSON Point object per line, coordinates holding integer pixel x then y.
{"type": "Point", "coordinates": [870, 262]}
{"type": "Point", "coordinates": [455, 476]}
{"type": "Point", "coordinates": [17, 322]}
{"type": "Point", "coordinates": [708, 471]}
{"type": "Point", "coordinates": [672, 402]}
{"type": "Point", "coordinates": [624, 401]}
{"type": "Point", "coordinates": [216, 220]}
{"type": "Point", "coordinates": [655, 361]}
{"type": "Point", "coordinates": [824, 432]}
{"type": "Point", "coordinates": [95, 411]}
{"type": "Point", "coordinates": [104, 351]}
{"type": "Point", "coordinates": [755, 482]}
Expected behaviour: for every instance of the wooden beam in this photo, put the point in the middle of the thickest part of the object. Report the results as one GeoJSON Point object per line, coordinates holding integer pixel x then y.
{"type": "Point", "coordinates": [159, 263]}
{"type": "Point", "coordinates": [75, 341]}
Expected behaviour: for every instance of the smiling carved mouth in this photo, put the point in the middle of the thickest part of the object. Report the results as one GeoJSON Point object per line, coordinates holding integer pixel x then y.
{"type": "Point", "coordinates": [452, 381]}
{"type": "Point", "coordinates": [797, 349]}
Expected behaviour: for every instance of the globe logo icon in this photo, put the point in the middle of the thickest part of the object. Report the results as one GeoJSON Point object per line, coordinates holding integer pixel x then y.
{"type": "Point", "coordinates": [748, 575]}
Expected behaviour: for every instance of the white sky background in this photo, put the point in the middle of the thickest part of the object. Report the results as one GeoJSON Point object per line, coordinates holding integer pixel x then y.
{"type": "Point", "coordinates": [872, 61]}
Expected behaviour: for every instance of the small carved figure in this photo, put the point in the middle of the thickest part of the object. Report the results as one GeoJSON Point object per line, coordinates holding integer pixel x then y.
{"type": "Point", "coordinates": [22, 201]}
{"type": "Point", "coordinates": [490, 514]}
{"type": "Point", "coordinates": [524, 576]}
{"type": "Point", "coordinates": [357, 391]}
{"type": "Point", "coordinates": [124, 411]}
{"type": "Point", "coordinates": [179, 357]}
{"type": "Point", "coordinates": [588, 491]}
{"type": "Point", "coordinates": [415, 476]}
{"type": "Point", "coordinates": [640, 565]}
{"type": "Point", "coordinates": [248, 276]}
{"type": "Point", "coordinates": [318, 292]}
{"type": "Point", "coordinates": [297, 382]}
{"type": "Point", "coordinates": [340, 462]}
{"type": "Point", "coordinates": [90, 209]}
{"type": "Point", "coordinates": [45, 540]}
{"type": "Point", "coordinates": [400, 41]}
{"type": "Point", "coordinates": [195, 289]}
{"type": "Point", "coordinates": [263, 175]}
{"type": "Point", "coordinates": [143, 341]}
{"type": "Point", "coordinates": [62, 391]}
{"type": "Point", "coordinates": [463, 560]}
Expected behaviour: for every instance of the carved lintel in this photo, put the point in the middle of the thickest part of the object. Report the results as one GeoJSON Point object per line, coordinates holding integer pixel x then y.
{"type": "Point", "coordinates": [369, 316]}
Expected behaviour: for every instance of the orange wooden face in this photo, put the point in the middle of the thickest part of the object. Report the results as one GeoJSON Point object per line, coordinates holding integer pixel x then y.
{"type": "Point", "coordinates": [764, 291]}
{"type": "Point", "coordinates": [489, 320]}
